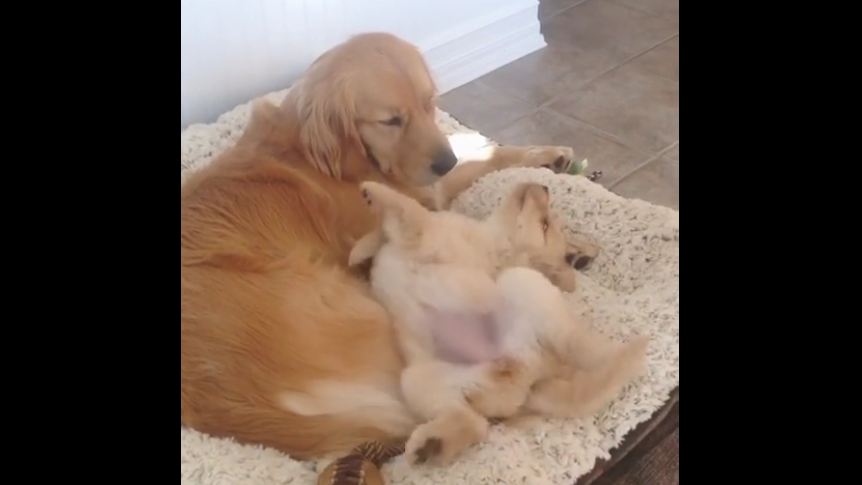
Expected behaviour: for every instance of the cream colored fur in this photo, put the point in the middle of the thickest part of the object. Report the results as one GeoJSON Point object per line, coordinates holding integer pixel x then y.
{"type": "Point", "coordinates": [631, 288]}
{"type": "Point", "coordinates": [434, 266]}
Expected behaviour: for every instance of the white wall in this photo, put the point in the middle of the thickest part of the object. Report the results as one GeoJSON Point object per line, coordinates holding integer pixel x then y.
{"type": "Point", "coordinates": [234, 50]}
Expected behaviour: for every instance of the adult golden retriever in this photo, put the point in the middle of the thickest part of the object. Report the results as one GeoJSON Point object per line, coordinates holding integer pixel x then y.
{"type": "Point", "coordinates": [269, 305]}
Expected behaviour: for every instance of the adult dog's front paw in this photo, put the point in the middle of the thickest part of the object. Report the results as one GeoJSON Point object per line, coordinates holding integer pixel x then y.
{"type": "Point", "coordinates": [557, 159]}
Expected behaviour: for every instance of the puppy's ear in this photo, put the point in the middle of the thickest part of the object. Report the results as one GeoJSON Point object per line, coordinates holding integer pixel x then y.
{"type": "Point", "coordinates": [523, 196]}
{"type": "Point", "coordinates": [535, 194]}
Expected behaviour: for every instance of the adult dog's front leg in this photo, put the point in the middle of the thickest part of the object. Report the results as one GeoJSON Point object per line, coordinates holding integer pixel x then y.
{"type": "Point", "coordinates": [460, 178]}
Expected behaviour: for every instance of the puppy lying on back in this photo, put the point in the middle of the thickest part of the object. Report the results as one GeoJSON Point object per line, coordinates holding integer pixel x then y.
{"type": "Point", "coordinates": [483, 329]}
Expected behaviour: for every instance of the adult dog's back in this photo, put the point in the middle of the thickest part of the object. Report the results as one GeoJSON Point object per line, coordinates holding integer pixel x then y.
{"type": "Point", "coordinates": [267, 306]}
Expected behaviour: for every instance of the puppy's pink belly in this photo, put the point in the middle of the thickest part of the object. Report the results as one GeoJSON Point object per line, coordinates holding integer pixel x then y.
{"type": "Point", "coordinates": [465, 339]}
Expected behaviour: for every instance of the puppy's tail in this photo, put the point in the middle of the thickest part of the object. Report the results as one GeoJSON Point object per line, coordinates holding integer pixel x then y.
{"type": "Point", "coordinates": [586, 391]}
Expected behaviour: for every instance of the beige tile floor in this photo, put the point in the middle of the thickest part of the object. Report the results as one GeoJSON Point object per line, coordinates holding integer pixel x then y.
{"type": "Point", "coordinates": [607, 84]}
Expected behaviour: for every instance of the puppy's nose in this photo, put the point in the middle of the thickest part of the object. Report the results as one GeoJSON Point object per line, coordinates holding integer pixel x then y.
{"type": "Point", "coordinates": [443, 161]}
{"type": "Point", "coordinates": [574, 261]}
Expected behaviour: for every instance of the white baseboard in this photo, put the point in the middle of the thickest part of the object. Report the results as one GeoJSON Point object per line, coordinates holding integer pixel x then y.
{"type": "Point", "coordinates": [478, 47]}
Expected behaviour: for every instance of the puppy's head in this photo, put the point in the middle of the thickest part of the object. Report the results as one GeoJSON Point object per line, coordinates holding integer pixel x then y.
{"type": "Point", "coordinates": [373, 94]}
{"type": "Point", "coordinates": [535, 235]}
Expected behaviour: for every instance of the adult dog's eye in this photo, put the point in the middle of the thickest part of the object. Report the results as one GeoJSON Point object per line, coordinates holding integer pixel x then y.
{"type": "Point", "coordinates": [394, 121]}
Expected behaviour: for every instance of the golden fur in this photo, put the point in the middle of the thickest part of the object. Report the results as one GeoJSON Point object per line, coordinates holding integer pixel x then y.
{"type": "Point", "coordinates": [268, 303]}
{"type": "Point", "coordinates": [480, 323]}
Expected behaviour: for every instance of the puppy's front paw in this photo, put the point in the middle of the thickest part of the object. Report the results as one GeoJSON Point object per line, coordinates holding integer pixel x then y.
{"type": "Point", "coordinates": [381, 198]}
{"type": "Point", "coordinates": [442, 439]}
{"type": "Point", "coordinates": [425, 447]}
{"type": "Point", "coordinates": [429, 448]}
{"type": "Point", "coordinates": [369, 193]}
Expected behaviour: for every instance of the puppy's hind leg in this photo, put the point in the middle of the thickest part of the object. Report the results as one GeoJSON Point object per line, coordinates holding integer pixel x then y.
{"type": "Point", "coordinates": [434, 391]}
{"type": "Point", "coordinates": [536, 307]}
{"type": "Point", "coordinates": [442, 439]}
{"type": "Point", "coordinates": [600, 367]}
{"type": "Point", "coordinates": [586, 391]}
{"type": "Point", "coordinates": [582, 347]}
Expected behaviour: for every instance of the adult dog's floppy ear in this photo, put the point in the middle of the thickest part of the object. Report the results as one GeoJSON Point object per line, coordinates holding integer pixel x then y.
{"type": "Point", "coordinates": [327, 113]}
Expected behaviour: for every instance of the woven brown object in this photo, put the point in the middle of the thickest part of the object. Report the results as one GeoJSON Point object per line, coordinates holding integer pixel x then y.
{"type": "Point", "coordinates": [377, 452]}
{"type": "Point", "coordinates": [361, 466]}
{"type": "Point", "coordinates": [351, 470]}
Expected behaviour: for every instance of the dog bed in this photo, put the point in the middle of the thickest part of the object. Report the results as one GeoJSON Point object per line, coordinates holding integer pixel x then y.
{"type": "Point", "coordinates": [631, 288]}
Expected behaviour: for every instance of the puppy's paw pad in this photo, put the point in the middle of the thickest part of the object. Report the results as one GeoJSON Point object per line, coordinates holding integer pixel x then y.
{"type": "Point", "coordinates": [374, 194]}
{"type": "Point", "coordinates": [366, 191]}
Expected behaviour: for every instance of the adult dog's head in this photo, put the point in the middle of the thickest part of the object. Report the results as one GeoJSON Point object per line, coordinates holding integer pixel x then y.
{"type": "Point", "coordinates": [372, 95]}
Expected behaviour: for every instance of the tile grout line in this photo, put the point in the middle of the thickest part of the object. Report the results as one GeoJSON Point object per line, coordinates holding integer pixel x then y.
{"type": "Point", "coordinates": [601, 132]}
{"type": "Point", "coordinates": [514, 95]}
{"type": "Point", "coordinates": [553, 99]}
{"type": "Point", "coordinates": [641, 10]}
{"type": "Point", "coordinates": [649, 160]}
{"type": "Point", "coordinates": [614, 68]}
{"type": "Point", "coordinates": [595, 129]}
{"type": "Point", "coordinates": [564, 9]}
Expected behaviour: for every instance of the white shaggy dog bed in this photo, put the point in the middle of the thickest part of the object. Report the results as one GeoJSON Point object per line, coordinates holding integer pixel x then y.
{"type": "Point", "coordinates": [632, 287]}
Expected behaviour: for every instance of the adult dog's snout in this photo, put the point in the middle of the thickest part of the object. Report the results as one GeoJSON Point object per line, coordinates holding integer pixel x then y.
{"type": "Point", "coordinates": [444, 160]}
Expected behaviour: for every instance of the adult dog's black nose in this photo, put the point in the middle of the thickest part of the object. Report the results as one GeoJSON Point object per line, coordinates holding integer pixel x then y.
{"type": "Point", "coordinates": [444, 160]}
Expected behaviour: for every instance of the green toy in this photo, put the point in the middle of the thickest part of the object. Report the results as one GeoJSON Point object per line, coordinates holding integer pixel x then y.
{"type": "Point", "coordinates": [579, 168]}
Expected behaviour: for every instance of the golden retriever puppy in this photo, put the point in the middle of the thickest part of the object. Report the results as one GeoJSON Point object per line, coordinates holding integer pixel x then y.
{"type": "Point", "coordinates": [478, 326]}
{"type": "Point", "coordinates": [282, 344]}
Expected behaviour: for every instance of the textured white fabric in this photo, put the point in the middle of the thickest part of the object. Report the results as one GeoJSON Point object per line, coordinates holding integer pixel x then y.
{"type": "Point", "coordinates": [632, 287]}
